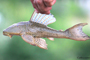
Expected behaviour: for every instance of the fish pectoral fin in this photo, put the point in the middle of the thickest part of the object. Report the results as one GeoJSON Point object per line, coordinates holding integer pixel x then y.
{"type": "Point", "coordinates": [34, 41]}
{"type": "Point", "coordinates": [52, 39]}
{"type": "Point", "coordinates": [29, 39]}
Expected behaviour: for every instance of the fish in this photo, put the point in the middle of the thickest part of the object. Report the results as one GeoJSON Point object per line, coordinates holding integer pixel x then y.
{"type": "Point", "coordinates": [34, 30]}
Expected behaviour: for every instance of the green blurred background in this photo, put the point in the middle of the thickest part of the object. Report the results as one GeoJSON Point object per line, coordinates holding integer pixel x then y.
{"type": "Point", "coordinates": [67, 13]}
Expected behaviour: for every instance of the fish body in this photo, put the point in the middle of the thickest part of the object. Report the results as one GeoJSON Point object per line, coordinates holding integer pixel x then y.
{"type": "Point", "coordinates": [34, 30]}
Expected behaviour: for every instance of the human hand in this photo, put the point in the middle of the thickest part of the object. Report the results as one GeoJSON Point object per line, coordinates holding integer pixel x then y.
{"type": "Point", "coordinates": [43, 6]}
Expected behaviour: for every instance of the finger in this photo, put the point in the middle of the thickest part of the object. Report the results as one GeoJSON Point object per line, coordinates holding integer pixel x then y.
{"type": "Point", "coordinates": [45, 10]}
{"type": "Point", "coordinates": [36, 6]}
{"type": "Point", "coordinates": [49, 3]}
{"type": "Point", "coordinates": [39, 5]}
{"type": "Point", "coordinates": [53, 2]}
{"type": "Point", "coordinates": [42, 8]}
{"type": "Point", "coordinates": [32, 1]}
{"type": "Point", "coordinates": [48, 12]}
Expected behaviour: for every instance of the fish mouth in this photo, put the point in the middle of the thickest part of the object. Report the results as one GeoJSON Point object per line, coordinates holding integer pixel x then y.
{"type": "Point", "coordinates": [7, 34]}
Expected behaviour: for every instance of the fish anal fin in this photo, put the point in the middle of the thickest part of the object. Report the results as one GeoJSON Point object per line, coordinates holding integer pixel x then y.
{"type": "Point", "coordinates": [34, 41]}
{"type": "Point", "coordinates": [52, 39]}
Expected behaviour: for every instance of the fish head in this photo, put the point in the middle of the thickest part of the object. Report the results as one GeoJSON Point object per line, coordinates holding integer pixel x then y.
{"type": "Point", "coordinates": [12, 30]}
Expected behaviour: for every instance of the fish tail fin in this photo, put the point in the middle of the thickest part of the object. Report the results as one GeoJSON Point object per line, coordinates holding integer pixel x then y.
{"type": "Point", "coordinates": [76, 33]}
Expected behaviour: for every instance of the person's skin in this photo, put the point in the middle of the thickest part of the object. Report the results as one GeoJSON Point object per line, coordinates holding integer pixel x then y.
{"type": "Point", "coordinates": [43, 6]}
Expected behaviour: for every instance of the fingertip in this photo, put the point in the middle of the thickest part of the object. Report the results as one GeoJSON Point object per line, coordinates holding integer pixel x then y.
{"type": "Point", "coordinates": [54, 1]}
{"type": "Point", "coordinates": [49, 3]}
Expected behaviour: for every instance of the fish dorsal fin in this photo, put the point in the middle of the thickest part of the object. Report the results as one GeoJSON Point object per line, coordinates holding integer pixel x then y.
{"type": "Point", "coordinates": [34, 41]}
{"type": "Point", "coordinates": [42, 18]}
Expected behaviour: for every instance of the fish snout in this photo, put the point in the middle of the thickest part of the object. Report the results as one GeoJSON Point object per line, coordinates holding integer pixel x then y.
{"type": "Point", "coordinates": [7, 34]}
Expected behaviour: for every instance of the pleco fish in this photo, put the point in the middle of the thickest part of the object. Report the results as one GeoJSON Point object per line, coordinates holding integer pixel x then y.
{"type": "Point", "coordinates": [34, 30]}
